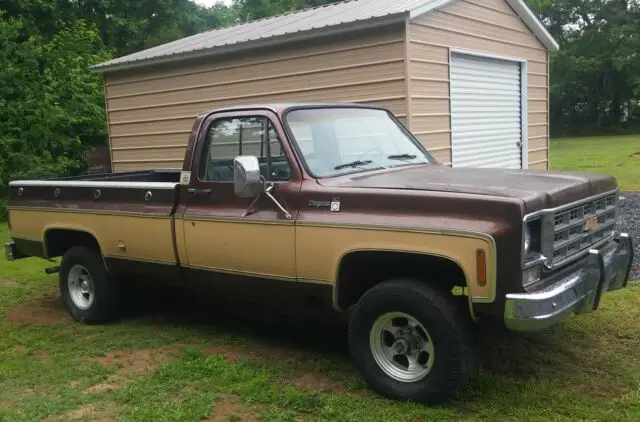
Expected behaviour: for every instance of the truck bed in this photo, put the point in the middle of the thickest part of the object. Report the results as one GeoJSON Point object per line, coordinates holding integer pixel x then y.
{"type": "Point", "coordinates": [151, 176]}
{"type": "Point", "coordinates": [129, 214]}
{"type": "Point", "coordinates": [143, 185]}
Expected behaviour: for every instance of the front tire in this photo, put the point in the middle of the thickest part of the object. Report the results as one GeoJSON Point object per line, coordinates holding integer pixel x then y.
{"type": "Point", "coordinates": [410, 342]}
{"type": "Point", "coordinates": [90, 293]}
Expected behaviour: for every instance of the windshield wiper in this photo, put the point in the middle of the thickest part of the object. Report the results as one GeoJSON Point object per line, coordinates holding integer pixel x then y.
{"type": "Point", "coordinates": [353, 164]}
{"type": "Point", "coordinates": [402, 157]}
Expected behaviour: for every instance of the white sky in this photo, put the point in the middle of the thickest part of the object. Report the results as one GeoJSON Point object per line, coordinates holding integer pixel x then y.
{"type": "Point", "coordinates": [209, 3]}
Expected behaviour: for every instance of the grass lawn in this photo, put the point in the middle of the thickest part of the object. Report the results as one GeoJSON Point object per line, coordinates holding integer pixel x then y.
{"type": "Point", "coordinates": [169, 363]}
{"type": "Point", "coordinates": [612, 155]}
{"type": "Point", "coordinates": [172, 362]}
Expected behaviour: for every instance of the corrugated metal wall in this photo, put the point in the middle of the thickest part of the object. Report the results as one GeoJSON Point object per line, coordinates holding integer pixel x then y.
{"type": "Point", "coordinates": [489, 26]}
{"type": "Point", "coordinates": [151, 112]}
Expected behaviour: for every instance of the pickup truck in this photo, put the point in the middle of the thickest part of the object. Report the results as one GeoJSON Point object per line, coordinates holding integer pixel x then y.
{"type": "Point", "coordinates": [337, 203]}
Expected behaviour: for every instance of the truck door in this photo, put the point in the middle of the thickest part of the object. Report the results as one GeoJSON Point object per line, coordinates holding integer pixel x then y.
{"type": "Point", "coordinates": [219, 243]}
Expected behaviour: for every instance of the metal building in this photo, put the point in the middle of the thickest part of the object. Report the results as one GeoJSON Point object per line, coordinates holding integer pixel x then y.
{"type": "Point", "coordinates": [469, 77]}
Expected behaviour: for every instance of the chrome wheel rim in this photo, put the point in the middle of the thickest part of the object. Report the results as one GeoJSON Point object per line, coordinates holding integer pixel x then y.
{"type": "Point", "coordinates": [402, 347]}
{"type": "Point", "coordinates": [81, 288]}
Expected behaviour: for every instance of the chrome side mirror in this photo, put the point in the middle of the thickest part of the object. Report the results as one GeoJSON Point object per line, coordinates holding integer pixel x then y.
{"type": "Point", "coordinates": [247, 182]}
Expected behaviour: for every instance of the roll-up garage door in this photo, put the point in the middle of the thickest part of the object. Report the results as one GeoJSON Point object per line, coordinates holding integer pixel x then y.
{"type": "Point", "coordinates": [486, 112]}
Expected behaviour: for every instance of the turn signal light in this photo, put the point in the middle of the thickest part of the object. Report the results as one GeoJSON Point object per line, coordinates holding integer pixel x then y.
{"type": "Point", "coordinates": [481, 268]}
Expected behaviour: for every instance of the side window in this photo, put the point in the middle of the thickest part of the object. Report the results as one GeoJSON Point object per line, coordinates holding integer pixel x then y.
{"type": "Point", "coordinates": [229, 137]}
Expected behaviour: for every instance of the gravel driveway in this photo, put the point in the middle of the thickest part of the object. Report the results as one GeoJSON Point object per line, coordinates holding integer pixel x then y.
{"type": "Point", "coordinates": [630, 222]}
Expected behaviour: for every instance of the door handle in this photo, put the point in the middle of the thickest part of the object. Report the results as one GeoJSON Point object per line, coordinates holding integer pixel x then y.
{"type": "Point", "coordinates": [198, 192]}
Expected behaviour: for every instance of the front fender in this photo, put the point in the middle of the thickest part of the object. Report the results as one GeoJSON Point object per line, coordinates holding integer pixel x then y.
{"type": "Point", "coordinates": [320, 249]}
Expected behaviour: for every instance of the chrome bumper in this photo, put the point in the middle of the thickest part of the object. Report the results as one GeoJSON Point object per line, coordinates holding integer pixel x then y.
{"type": "Point", "coordinates": [11, 252]}
{"type": "Point", "coordinates": [607, 269]}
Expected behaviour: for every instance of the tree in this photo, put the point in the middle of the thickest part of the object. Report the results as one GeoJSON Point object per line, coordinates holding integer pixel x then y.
{"type": "Point", "coordinates": [51, 105]}
{"type": "Point", "coordinates": [257, 9]}
{"type": "Point", "coordinates": [594, 76]}
{"type": "Point", "coordinates": [51, 108]}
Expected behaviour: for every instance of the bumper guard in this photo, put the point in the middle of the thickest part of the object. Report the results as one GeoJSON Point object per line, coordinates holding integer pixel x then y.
{"type": "Point", "coordinates": [607, 269]}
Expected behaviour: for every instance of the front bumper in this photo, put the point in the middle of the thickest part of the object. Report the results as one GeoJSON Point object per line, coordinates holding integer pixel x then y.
{"type": "Point", "coordinates": [607, 269]}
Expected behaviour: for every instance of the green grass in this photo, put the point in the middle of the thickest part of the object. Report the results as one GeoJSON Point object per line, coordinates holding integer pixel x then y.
{"type": "Point", "coordinates": [160, 366]}
{"type": "Point", "coordinates": [611, 155]}
{"type": "Point", "coordinates": [163, 366]}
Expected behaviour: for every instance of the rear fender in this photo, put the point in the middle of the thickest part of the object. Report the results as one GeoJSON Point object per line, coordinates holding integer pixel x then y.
{"type": "Point", "coordinates": [71, 228]}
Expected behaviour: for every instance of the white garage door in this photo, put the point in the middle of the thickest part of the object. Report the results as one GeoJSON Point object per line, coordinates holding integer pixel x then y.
{"type": "Point", "coordinates": [486, 117]}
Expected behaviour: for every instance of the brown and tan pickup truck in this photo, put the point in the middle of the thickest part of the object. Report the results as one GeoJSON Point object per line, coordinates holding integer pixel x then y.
{"type": "Point", "coordinates": [338, 203]}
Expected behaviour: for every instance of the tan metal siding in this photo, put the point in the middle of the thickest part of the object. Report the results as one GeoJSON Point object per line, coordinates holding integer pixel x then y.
{"type": "Point", "coordinates": [486, 26]}
{"type": "Point", "coordinates": [151, 112]}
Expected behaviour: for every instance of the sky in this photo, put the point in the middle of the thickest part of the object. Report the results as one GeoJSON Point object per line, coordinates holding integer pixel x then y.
{"type": "Point", "coordinates": [212, 2]}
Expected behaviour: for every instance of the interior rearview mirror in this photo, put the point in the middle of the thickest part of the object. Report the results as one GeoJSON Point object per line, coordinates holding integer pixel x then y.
{"type": "Point", "coordinates": [247, 182]}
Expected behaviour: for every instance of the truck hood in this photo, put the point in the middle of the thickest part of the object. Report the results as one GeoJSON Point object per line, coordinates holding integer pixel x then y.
{"type": "Point", "coordinates": [538, 189]}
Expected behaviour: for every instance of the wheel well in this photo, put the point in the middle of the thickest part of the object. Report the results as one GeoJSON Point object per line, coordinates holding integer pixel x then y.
{"type": "Point", "coordinates": [361, 270]}
{"type": "Point", "coordinates": [59, 241]}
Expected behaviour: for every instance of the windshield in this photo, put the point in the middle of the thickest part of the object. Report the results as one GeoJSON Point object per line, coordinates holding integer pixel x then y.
{"type": "Point", "coordinates": [334, 141]}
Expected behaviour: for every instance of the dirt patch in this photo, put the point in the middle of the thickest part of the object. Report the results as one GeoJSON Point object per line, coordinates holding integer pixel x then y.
{"type": "Point", "coordinates": [313, 382]}
{"type": "Point", "coordinates": [268, 353]}
{"type": "Point", "coordinates": [104, 387]}
{"type": "Point", "coordinates": [636, 154]}
{"type": "Point", "coordinates": [88, 412]}
{"type": "Point", "coordinates": [308, 380]}
{"type": "Point", "coordinates": [7, 405]}
{"type": "Point", "coordinates": [48, 312]}
{"type": "Point", "coordinates": [43, 355]}
{"type": "Point", "coordinates": [231, 353]}
{"type": "Point", "coordinates": [319, 384]}
{"type": "Point", "coordinates": [231, 408]}
{"type": "Point", "coordinates": [129, 363]}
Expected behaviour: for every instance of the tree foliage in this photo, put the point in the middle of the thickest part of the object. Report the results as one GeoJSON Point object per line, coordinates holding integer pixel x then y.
{"type": "Point", "coordinates": [52, 106]}
{"type": "Point", "coordinates": [257, 9]}
{"type": "Point", "coordinates": [595, 77]}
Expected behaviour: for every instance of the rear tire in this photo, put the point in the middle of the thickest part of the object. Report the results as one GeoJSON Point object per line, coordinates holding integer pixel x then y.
{"type": "Point", "coordinates": [410, 342]}
{"type": "Point", "coordinates": [90, 293]}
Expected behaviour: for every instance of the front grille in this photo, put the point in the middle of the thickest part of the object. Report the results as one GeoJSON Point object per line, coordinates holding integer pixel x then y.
{"type": "Point", "coordinates": [579, 227]}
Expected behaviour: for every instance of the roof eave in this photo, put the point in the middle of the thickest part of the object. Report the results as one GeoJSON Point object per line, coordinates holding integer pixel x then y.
{"type": "Point", "coordinates": [255, 44]}
{"type": "Point", "coordinates": [428, 7]}
{"type": "Point", "coordinates": [519, 6]}
{"type": "Point", "coordinates": [532, 21]}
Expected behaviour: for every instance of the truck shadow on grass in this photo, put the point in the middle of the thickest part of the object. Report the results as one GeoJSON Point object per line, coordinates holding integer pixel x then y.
{"type": "Point", "coordinates": [298, 333]}
{"type": "Point", "coordinates": [303, 329]}
{"type": "Point", "coordinates": [320, 331]}
{"type": "Point", "coordinates": [312, 342]}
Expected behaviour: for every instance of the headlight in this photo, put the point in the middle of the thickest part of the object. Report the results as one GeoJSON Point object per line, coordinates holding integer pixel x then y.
{"type": "Point", "coordinates": [527, 239]}
{"type": "Point", "coordinates": [532, 240]}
